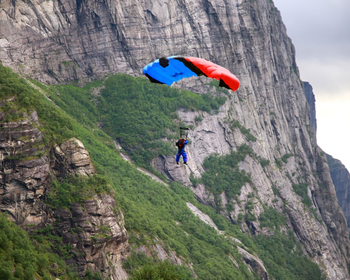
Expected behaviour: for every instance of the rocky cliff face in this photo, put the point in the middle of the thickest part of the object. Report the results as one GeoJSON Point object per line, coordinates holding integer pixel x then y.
{"type": "Point", "coordinates": [339, 173]}
{"type": "Point", "coordinates": [57, 41]}
{"type": "Point", "coordinates": [321, 229]}
{"type": "Point", "coordinates": [341, 179]}
{"type": "Point", "coordinates": [310, 97]}
{"type": "Point", "coordinates": [63, 40]}
{"type": "Point", "coordinates": [25, 167]}
{"type": "Point", "coordinates": [95, 230]}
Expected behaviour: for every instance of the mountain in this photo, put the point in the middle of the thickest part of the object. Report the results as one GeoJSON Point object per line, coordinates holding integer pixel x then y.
{"type": "Point", "coordinates": [310, 97]}
{"type": "Point", "coordinates": [253, 156]}
{"type": "Point", "coordinates": [341, 179]}
{"type": "Point", "coordinates": [339, 173]}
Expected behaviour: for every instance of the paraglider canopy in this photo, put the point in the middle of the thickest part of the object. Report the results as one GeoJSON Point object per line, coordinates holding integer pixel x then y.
{"type": "Point", "coordinates": [168, 70]}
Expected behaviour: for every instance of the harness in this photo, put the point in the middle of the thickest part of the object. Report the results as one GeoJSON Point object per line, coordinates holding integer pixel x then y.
{"type": "Point", "coordinates": [180, 144]}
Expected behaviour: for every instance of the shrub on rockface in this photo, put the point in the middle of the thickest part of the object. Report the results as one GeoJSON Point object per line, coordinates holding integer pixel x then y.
{"type": "Point", "coordinates": [21, 258]}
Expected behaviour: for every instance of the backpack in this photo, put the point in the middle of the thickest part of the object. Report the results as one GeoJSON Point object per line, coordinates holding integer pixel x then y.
{"type": "Point", "coordinates": [180, 144]}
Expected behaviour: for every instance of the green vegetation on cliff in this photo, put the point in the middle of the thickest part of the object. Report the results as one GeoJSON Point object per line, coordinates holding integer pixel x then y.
{"type": "Point", "coordinates": [76, 189]}
{"type": "Point", "coordinates": [54, 122]}
{"type": "Point", "coordinates": [138, 114]}
{"type": "Point", "coordinates": [135, 112]}
{"type": "Point", "coordinates": [222, 173]}
{"type": "Point", "coordinates": [21, 258]}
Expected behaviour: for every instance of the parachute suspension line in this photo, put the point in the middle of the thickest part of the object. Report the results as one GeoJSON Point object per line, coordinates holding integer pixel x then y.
{"type": "Point", "coordinates": [169, 70]}
{"type": "Point", "coordinates": [184, 134]}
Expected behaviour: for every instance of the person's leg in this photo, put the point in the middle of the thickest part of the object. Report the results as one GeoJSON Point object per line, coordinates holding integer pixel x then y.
{"type": "Point", "coordinates": [184, 155]}
{"type": "Point", "coordinates": [177, 158]}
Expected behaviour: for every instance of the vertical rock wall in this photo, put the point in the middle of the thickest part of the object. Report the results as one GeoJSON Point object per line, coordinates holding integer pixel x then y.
{"type": "Point", "coordinates": [310, 97]}
{"type": "Point", "coordinates": [339, 173]}
{"type": "Point", "coordinates": [24, 168]}
{"type": "Point", "coordinates": [341, 179]}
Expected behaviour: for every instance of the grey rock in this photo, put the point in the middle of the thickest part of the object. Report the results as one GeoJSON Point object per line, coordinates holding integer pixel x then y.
{"type": "Point", "coordinates": [310, 97]}
{"type": "Point", "coordinates": [341, 180]}
{"type": "Point", "coordinates": [96, 231]}
{"type": "Point", "coordinates": [254, 263]}
{"type": "Point", "coordinates": [204, 217]}
{"type": "Point", "coordinates": [72, 158]}
{"type": "Point", "coordinates": [24, 169]}
{"type": "Point", "coordinates": [174, 172]}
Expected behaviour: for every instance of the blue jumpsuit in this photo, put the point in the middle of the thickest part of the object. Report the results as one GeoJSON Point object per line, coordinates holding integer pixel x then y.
{"type": "Point", "coordinates": [182, 153]}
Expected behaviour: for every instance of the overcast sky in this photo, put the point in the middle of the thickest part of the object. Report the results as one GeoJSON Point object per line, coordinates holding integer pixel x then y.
{"type": "Point", "coordinates": [320, 31]}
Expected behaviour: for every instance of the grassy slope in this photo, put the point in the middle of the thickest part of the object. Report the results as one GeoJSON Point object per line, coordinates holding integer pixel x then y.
{"type": "Point", "coordinates": [153, 210]}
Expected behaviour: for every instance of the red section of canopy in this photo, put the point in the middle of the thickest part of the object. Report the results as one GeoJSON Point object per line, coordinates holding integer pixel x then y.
{"type": "Point", "coordinates": [215, 71]}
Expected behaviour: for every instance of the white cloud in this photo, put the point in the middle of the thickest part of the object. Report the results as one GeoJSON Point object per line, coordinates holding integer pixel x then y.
{"type": "Point", "coordinates": [333, 133]}
{"type": "Point", "coordinates": [326, 77]}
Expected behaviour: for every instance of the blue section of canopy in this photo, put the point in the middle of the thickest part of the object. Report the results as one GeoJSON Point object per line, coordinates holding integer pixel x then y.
{"type": "Point", "coordinates": [175, 71]}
